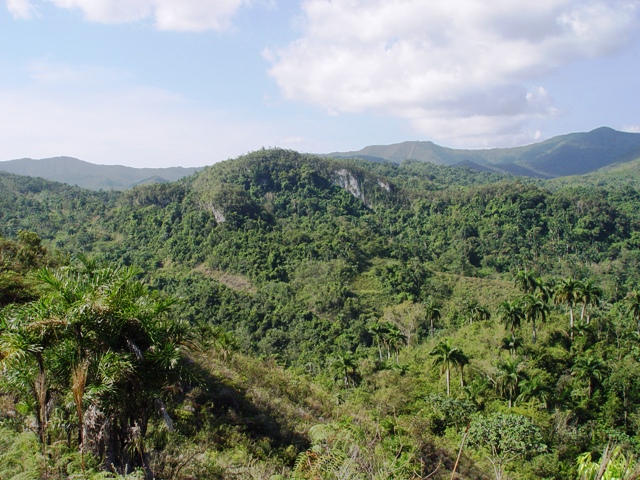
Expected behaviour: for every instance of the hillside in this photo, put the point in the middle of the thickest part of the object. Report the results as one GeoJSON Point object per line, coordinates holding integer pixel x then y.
{"type": "Point", "coordinates": [325, 317]}
{"type": "Point", "coordinates": [573, 154]}
{"type": "Point", "coordinates": [94, 177]}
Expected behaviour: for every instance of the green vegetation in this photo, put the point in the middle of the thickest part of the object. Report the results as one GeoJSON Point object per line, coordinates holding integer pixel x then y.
{"type": "Point", "coordinates": [286, 316]}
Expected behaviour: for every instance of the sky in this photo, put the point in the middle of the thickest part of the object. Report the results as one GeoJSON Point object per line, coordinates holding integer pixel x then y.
{"type": "Point", "coordinates": [159, 83]}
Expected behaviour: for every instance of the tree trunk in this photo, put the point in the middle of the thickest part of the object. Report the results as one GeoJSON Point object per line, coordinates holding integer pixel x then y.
{"type": "Point", "coordinates": [40, 392]}
{"type": "Point", "coordinates": [571, 322]}
{"type": "Point", "coordinates": [448, 372]}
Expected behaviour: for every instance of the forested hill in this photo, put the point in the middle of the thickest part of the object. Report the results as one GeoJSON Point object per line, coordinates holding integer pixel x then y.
{"type": "Point", "coordinates": [345, 318]}
{"type": "Point", "coordinates": [572, 154]}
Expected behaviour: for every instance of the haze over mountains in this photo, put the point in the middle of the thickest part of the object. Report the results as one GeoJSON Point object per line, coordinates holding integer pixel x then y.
{"type": "Point", "coordinates": [565, 155]}
{"type": "Point", "coordinates": [572, 154]}
{"type": "Point", "coordinates": [94, 177]}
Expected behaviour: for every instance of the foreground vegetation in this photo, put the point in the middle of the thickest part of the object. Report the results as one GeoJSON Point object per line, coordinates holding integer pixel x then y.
{"type": "Point", "coordinates": [284, 316]}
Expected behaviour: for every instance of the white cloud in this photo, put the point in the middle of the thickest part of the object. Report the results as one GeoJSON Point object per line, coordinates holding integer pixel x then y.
{"type": "Point", "coordinates": [177, 15]}
{"type": "Point", "coordinates": [21, 9]}
{"type": "Point", "coordinates": [448, 67]}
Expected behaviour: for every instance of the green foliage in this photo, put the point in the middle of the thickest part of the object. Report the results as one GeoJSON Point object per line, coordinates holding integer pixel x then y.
{"type": "Point", "coordinates": [100, 337]}
{"type": "Point", "coordinates": [503, 438]}
{"type": "Point", "coordinates": [613, 465]}
{"type": "Point", "coordinates": [319, 288]}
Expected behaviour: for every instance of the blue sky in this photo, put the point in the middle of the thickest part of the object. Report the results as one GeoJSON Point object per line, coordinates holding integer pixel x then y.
{"type": "Point", "coordinates": [192, 82]}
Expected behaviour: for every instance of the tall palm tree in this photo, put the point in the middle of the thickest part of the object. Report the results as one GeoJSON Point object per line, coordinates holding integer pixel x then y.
{"type": "Point", "coordinates": [535, 308]}
{"type": "Point", "coordinates": [378, 331]}
{"type": "Point", "coordinates": [447, 356]}
{"type": "Point", "coordinates": [346, 367]}
{"type": "Point", "coordinates": [395, 340]}
{"type": "Point", "coordinates": [508, 378]}
{"type": "Point", "coordinates": [588, 294]}
{"type": "Point", "coordinates": [567, 292]}
{"type": "Point", "coordinates": [461, 361]}
{"type": "Point", "coordinates": [534, 388]}
{"type": "Point", "coordinates": [511, 314]}
{"type": "Point", "coordinates": [589, 367]}
{"type": "Point", "coordinates": [526, 280]}
{"type": "Point", "coordinates": [545, 289]}
{"type": "Point", "coordinates": [432, 313]}
{"type": "Point", "coordinates": [476, 312]}
{"type": "Point", "coordinates": [512, 344]}
{"type": "Point", "coordinates": [633, 306]}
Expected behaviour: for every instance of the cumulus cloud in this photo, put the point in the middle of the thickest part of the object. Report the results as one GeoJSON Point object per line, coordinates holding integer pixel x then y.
{"type": "Point", "coordinates": [465, 69]}
{"type": "Point", "coordinates": [182, 15]}
{"type": "Point", "coordinates": [20, 9]}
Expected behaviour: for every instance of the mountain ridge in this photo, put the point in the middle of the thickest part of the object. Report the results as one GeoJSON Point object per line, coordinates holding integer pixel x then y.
{"type": "Point", "coordinates": [84, 174]}
{"type": "Point", "coordinates": [563, 155]}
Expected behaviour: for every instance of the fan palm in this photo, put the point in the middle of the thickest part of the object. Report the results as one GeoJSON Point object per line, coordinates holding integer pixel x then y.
{"type": "Point", "coordinates": [116, 345]}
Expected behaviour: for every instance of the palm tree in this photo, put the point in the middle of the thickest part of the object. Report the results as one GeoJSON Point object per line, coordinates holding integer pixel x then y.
{"type": "Point", "coordinates": [378, 331]}
{"type": "Point", "coordinates": [535, 308]}
{"type": "Point", "coordinates": [508, 378]}
{"type": "Point", "coordinates": [526, 280]}
{"type": "Point", "coordinates": [591, 368]}
{"type": "Point", "coordinates": [346, 367]}
{"type": "Point", "coordinates": [633, 307]}
{"type": "Point", "coordinates": [512, 344]}
{"type": "Point", "coordinates": [476, 312]}
{"type": "Point", "coordinates": [111, 337]}
{"type": "Point", "coordinates": [534, 388]}
{"type": "Point", "coordinates": [461, 360]}
{"type": "Point", "coordinates": [395, 339]}
{"type": "Point", "coordinates": [432, 313]}
{"type": "Point", "coordinates": [589, 295]}
{"type": "Point", "coordinates": [447, 355]}
{"type": "Point", "coordinates": [511, 315]}
{"type": "Point", "coordinates": [545, 289]}
{"type": "Point", "coordinates": [23, 356]}
{"type": "Point", "coordinates": [567, 292]}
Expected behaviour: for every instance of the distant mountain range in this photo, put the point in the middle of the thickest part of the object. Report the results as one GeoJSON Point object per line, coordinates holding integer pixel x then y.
{"type": "Point", "coordinates": [94, 177]}
{"type": "Point", "coordinates": [572, 154]}
{"type": "Point", "coordinates": [564, 155]}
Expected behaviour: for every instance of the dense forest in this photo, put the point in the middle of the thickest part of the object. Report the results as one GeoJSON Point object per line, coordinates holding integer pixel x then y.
{"type": "Point", "coordinates": [284, 316]}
